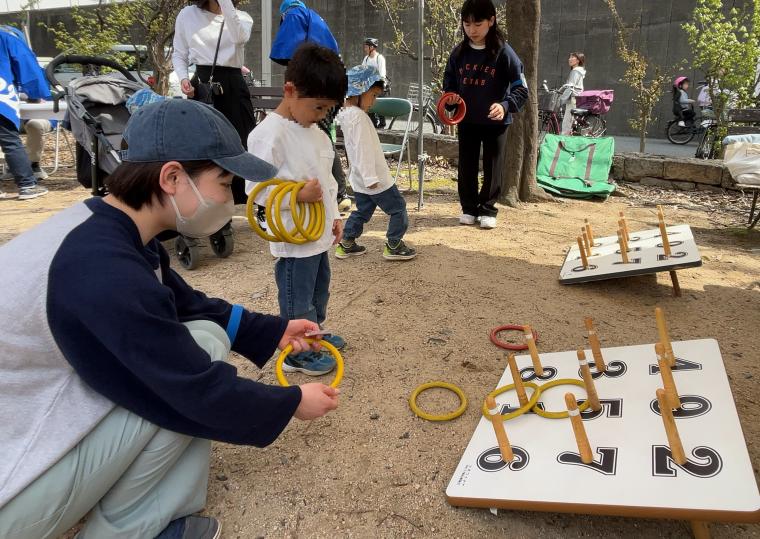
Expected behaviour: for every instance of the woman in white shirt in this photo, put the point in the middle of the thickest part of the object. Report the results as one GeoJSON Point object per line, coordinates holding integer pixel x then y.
{"type": "Point", "coordinates": [572, 88]}
{"type": "Point", "coordinates": [196, 34]}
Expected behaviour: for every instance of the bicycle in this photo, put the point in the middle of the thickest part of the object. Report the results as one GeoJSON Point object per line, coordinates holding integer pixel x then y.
{"type": "Point", "coordinates": [430, 113]}
{"type": "Point", "coordinates": [703, 126]}
{"type": "Point", "coordinates": [586, 123]}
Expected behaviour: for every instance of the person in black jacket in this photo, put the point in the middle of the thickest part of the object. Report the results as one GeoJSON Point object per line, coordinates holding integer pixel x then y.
{"type": "Point", "coordinates": [485, 73]}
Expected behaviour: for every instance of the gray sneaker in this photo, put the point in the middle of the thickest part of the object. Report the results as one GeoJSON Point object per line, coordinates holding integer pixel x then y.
{"type": "Point", "coordinates": [28, 193]}
{"type": "Point", "coordinates": [38, 172]}
{"type": "Point", "coordinates": [398, 252]}
{"type": "Point", "coordinates": [346, 249]}
{"type": "Point", "coordinates": [192, 527]}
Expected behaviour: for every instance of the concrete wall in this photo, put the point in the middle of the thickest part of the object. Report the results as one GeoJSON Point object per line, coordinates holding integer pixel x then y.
{"type": "Point", "coordinates": [567, 25]}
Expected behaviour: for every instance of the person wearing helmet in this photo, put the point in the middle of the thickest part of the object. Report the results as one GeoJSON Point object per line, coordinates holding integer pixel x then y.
{"type": "Point", "coordinates": [683, 106]}
{"type": "Point", "coordinates": [376, 60]}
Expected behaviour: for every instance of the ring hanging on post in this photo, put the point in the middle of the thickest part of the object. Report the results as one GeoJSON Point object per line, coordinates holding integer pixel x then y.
{"type": "Point", "coordinates": [520, 411]}
{"type": "Point", "coordinates": [445, 417]}
{"type": "Point", "coordinates": [507, 346]}
{"type": "Point", "coordinates": [458, 115]}
{"type": "Point", "coordinates": [563, 414]}
{"type": "Point", "coordinates": [329, 347]}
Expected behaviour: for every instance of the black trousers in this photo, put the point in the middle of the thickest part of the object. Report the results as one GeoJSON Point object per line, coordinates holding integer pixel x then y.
{"type": "Point", "coordinates": [235, 104]}
{"type": "Point", "coordinates": [493, 139]}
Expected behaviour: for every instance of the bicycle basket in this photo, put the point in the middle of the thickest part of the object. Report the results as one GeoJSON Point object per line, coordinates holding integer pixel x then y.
{"type": "Point", "coordinates": [595, 101]}
{"type": "Point", "coordinates": [549, 101]}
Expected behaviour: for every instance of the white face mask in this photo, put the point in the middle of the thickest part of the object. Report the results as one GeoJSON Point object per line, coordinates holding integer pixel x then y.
{"type": "Point", "coordinates": [207, 219]}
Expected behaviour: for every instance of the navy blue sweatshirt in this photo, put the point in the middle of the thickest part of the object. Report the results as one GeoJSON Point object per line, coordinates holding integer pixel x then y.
{"type": "Point", "coordinates": [119, 327]}
{"type": "Point", "coordinates": [482, 80]}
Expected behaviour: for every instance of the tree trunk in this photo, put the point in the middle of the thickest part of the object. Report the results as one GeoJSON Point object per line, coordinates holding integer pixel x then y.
{"type": "Point", "coordinates": [518, 179]}
{"type": "Point", "coordinates": [643, 135]}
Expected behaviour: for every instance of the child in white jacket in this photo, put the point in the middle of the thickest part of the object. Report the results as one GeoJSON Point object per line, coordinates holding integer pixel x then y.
{"type": "Point", "coordinates": [369, 176]}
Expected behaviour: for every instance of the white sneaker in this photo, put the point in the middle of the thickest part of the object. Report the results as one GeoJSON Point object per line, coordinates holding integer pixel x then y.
{"type": "Point", "coordinates": [681, 124]}
{"type": "Point", "coordinates": [487, 222]}
{"type": "Point", "coordinates": [467, 219]}
{"type": "Point", "coordinates": [344, 205]}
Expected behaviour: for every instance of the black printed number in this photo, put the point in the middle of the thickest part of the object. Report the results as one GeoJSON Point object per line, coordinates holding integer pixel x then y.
{"type": "Point", "coordinates": [490, 460]}
{"type": "Point", "coordinates": [528, 374]}
{"type": "Point", "coordinates": [605, 464]}
{"type": "Point", "coordinates": [691, 406]}
{"type": "Point", "coordinates": [612, 408]}
{"type": "Point", "coordinates": [706, 463]}
{"type": "Point", "coordinates": [615, 369]}
{"type": "Point", "coordinates": [681, 365]}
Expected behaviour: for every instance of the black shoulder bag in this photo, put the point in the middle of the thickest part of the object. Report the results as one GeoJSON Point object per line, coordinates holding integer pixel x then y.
{"type": "Point", "coordinates": [205, 91]}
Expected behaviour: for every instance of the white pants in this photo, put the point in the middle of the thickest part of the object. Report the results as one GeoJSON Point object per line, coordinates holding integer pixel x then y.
{"type": "Point", "coordinates": [131, 476]}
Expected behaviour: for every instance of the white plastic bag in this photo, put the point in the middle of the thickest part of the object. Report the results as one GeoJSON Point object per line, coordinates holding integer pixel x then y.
{"type": "Point", "coordinates": [743, 162]}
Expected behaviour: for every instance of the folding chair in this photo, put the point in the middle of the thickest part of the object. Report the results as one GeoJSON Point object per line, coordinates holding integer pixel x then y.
{"type": "Point", "coordinates": [394, 107]}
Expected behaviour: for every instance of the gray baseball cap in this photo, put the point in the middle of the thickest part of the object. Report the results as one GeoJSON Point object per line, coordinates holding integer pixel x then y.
{"type": "Point", "coordinates": [186, 130]}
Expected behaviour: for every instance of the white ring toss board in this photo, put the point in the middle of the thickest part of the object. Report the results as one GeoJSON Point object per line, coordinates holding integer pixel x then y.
{"type": "Point", "coordinates": [633, 473]}
{"type": "Point", "coordinates": [646, 256]}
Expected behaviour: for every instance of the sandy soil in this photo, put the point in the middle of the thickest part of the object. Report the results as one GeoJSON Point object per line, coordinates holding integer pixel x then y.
{"type": "Point", "coordinates": [372, 469]}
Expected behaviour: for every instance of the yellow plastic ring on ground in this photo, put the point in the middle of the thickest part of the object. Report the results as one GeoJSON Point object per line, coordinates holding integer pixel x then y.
{"type": "Point", "coordinates": [520, 411]}
{"type": "Point", "coordinates": [329, 347]}
{"type": "Point", "coordinates": [561, 382]}
{"type": "Point", "coordinates": [304, 231]}
{"type": "Point", "coordinates": [430, 417]}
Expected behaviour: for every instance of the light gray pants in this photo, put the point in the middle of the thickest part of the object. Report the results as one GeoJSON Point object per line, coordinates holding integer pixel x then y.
{"type": "Point", "coordinates": [34, 131]}
{"type": "Point", "coordinates": [130, 475]}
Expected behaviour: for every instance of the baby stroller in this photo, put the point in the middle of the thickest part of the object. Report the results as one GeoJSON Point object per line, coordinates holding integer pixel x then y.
{"type": "Point", "coordinates": [97, 116]}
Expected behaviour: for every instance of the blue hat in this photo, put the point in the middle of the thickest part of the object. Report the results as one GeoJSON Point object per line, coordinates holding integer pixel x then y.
{"type": "Point", "coordinates": [186, 130]}
{"type": "Point", "coordinates": [362, 78]}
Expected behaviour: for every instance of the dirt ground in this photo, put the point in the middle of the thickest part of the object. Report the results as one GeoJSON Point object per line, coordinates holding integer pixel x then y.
{"type": "Point", "coordinates": [371, 468]}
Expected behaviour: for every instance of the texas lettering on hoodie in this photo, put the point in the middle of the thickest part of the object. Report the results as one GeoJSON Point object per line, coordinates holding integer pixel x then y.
{"type": "Point", "coordinates": [482, 79]}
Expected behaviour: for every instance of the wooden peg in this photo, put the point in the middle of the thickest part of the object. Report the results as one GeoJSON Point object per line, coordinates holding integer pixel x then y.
{"type": "Point", "coordinates": [625, 241]}
{"type": "Point", "coordinates": [676, 284]}
{"type": "Point", "coordinates": [662, 330]}
{"type": "Point", "coordinates": [624, 223]}
{"type": "Point", "coordinates": [588, 382]}
{"type": "Point", "coordinates": [700, 529]}
{"type": "Point", "coordinates": [586, 243]}
{"type": "Point", "coordinates": [596, 348]}
{"type": "Point", "coordinates": [590, 232]}
{"type": "Point", "coordinates": [537, 367]}
{"type": "Point", "coordinates": [623, 250]}
{"type": "Point", "coordinates": [519, 387]}
{"type": "Point", "coordinates": [582, 249]}
{"type": "Point", "coordinates": [507, 455]}
{"type": "Point", "coordinates": [672, 398]}
{"type": "Point", "coordinates": [674, 440]}
{"type": "Point", "coordinates": [584, 447]}
{"type": "Point", "coordinates": [663, 232]}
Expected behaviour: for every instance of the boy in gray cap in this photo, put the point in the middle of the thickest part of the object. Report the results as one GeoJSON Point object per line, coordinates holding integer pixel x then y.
{"type": "Point", "coordinates": [113, 377]}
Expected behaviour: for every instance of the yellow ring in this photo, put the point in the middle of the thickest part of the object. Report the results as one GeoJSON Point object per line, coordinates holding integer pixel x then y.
{"type": "Point", "coordinates": [430, 417]}
{"type": "Point", "coordinates": [561, 382]}
{"type": "Point", "coordinates": [520, 411]}
{"type": "Point", "coordinates": [304, 230]}
{"type": "Point", "coordinates": [329, 347]}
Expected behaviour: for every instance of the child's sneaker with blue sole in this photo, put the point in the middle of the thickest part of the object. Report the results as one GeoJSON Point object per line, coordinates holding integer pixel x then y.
{"type": "Point", "coordinates": [309, 363]}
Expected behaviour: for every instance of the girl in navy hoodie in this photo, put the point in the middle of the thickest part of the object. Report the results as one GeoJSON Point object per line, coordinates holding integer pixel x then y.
{"type": "Point", "coordinates": [485, 73]}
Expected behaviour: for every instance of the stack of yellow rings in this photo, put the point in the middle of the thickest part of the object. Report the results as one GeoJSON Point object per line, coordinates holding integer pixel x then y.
{"type": "Point", "coordinates": [303, 231]}
{"type": "Point", "coordinates": [327, 346]}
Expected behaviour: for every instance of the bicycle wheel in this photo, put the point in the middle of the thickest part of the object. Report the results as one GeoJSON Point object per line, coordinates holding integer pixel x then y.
{"type": "Point", "coordinates": [432, 120]}
{"type": "Point", "coordinates": [706, 146]}
{"type": "Point", "coordinates": [547, 123]}
{"type": "Point", "coordinates": [678, 134]}
{"type": "Point", "coordinates": [593, 126]}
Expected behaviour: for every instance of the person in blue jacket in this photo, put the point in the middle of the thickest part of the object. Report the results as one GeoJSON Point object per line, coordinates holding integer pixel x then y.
{"type": "Point", "coordinates": [20, 70]}
{"type": "Point", "coordinates": [299, 24]}
{"type": "Point", "coordinates": [113, 372]}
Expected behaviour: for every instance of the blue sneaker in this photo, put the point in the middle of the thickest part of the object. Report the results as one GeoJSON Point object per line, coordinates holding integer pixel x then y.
{"type": "Point", "coordinates": [192, 527]}
{"type": "Point", "coordinates": [310, 363]}
{"type": "Point", "coordinates": [336, 340]}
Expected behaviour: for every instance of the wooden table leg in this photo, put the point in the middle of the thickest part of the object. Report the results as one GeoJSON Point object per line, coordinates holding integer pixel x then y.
{"type": "Point", "coordinates": [676, 284]}
{"type": "Point", "coordinates": [700, 529]}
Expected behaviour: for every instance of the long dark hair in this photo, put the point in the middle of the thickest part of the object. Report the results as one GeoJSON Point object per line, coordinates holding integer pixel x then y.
{"type": "Point", "coordinates": [482, 10]}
